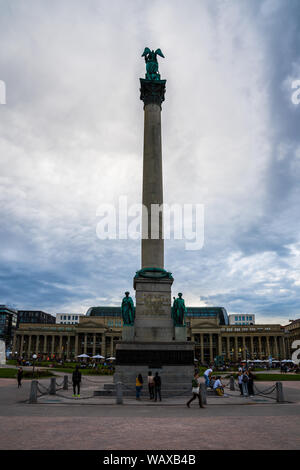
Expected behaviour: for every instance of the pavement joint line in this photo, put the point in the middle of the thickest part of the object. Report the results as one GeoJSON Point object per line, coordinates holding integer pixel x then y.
{"type": "Point", "coordinates": [166, 404]}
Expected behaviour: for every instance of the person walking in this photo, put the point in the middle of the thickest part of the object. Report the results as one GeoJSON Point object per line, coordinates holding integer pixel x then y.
{"type": "Point", "coordinates": [245, 381]}
{"type": "Point", "coordinates": [20, 377]}
{"type": "Point", "coordinates": [240, 381]}
{"type": "Point", "coordinates": [76, 379]}
{"type": "Point", "coordinates": [157, 387]}
{"type": "Point", "coordinates": [138, 386]}
{"type": "Point", "coordinates": [251, 383]}
{"type": "Point", "coordinates": [196, 391]}
{"type": "Point", "coordinates": [151, 385]}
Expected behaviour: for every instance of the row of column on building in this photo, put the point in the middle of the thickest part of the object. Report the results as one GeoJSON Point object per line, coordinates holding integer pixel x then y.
{"type": "Point", "coordinates": [234, 348]}
{"type": "Point", "coordinates": [64, 346]}
{"type": "Point", "coordinates": [207, 345]}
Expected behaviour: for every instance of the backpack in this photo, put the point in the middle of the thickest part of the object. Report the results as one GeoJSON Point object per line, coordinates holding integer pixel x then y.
{"type": "Point", "coordinates": [245, 379]}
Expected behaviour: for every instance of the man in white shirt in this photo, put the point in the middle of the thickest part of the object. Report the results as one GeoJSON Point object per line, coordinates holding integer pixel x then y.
{"type": "Point", "coordinates": [207, 375]}
{"type": "Point", "coordinates": [219, 387]}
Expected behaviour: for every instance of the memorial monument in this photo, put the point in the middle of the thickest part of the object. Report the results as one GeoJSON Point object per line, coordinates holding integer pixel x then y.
{"type": "Point", "coordinates": [154, 338]}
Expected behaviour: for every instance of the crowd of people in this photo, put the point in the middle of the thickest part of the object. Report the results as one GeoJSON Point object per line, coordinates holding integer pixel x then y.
{"type": "Point", "coordinates": [154, 386]}
{"type": "Point", "coordinates": [245, 379]}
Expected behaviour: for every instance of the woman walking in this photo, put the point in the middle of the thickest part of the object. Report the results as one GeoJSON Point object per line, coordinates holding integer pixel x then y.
{"type": "Point", "coordinates": [196, 391]}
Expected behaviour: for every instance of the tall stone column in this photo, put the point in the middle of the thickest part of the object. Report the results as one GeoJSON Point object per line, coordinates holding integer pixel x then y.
{"type": "Point", "coordinates": [29, 346]}
{"type": "Point", "coordinates": [236, 347]}
{"type": "Point", "coordinates": [76, 346]}
{"type": "Point", "coordinates": [202, 347]}
{"type": "Point", "coordinates": [94, 345]}
{"type": "Point", "coordinates": [283, 347]}
{"type": "Point", "coordinates": [268, 345]}
{"type": "Point", "coordinates": [103, 346]}
{"type": "Point", "coordinates": [211, 355]}
{"type": "Point", "coordinates": [85, 343]}
{"type": "Point", "coordinates": [220, 344]}
{"type": "Point", "coordinates": [22, 345]}
{"type": "Point", "coordinates": [45, 344]}
{"type": "Point", "coordinates": [259, 347]}
{"type": "Point", "coordinates": [153, 320]}
{"type": "Point", "coordinates": [69, 338]}
{"type": "Point", "coordinates": [37, 344]}
{"type": "Point", "coordinates": [14, 344]}
{"type": "Point", "coordinates": [53, 345]}
{"type": "Point", "coordinates": [252, 347]}
{"type": "Point", "coordinates": [60, 346]}
{"type": "Point", "coordinates": [155, 340]}
{"type": "Point", "coordinates": [276, 347]}
{"type": "Point", "coordinates": [228, 347]}
{"type": "Point", "coordinates": [244, 348]}
{"type": "Point", "coordinates": [111, 346]}
{"type": "Point", "coordinates": [152, 248]}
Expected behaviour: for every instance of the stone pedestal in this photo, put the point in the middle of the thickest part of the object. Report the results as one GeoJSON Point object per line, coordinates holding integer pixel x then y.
{"type": "Point", "coordinates": [153, 310]}
{"type": "Point", "coordinates": [180, 333]}
{"type": "Point", "coordinates": [128, 333]}
{"type": "Point", "coordinates": [174, 361]}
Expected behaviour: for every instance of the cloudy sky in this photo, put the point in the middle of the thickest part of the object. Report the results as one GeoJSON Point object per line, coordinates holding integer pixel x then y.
{"type": "Point", "coordinates": [71, 138]}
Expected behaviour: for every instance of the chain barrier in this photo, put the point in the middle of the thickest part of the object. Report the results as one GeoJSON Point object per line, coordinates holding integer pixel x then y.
{"type": "Point", "coordinates": [92, 381]}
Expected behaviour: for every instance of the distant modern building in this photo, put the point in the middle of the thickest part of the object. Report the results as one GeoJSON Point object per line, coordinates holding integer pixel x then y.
{"type": "Point", "coordinates": [242, 319]}
{"type": "Point", "coordinates": [8, 324]}
{"type": "Point", "coordinates": [68, 318]}
{"type": "Point", "coordinates": [35, 316]}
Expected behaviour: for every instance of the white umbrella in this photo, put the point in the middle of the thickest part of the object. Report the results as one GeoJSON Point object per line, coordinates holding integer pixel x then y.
{"type": "Point", "coordinates": [111, 359]}
{"type": "Point", "coordinates": [83, 355]}
{"type": "Point", "coordinates": [98, 356]}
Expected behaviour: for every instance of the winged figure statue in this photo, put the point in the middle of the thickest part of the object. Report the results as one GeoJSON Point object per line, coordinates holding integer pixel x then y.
{"type": "Point", "coordinates": [152, 63]}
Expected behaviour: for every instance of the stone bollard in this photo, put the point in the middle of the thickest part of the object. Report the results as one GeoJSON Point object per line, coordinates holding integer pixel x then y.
{"type": "Point", "coordinates": [279, 392]}
{"type": "Point", "coordinates": [52, 386]}
{"type": "Point", "coordinates": [203, 393]}
{"type": "Point", "coordinates": [232, 383]}
{"type": "Point", "coordinates": [66, 383]}
{"type": "Point", "coordinates": [119, 393]}
{"type": "Point", "coordinates": [33, 391]}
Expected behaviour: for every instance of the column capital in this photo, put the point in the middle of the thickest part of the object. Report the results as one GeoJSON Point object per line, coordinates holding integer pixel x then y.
{"type": "Point", "coordinates": [152, 91]}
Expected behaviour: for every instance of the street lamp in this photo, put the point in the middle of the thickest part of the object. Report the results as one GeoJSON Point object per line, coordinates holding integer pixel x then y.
{"type": "Point", "coordinates": [34, 357]}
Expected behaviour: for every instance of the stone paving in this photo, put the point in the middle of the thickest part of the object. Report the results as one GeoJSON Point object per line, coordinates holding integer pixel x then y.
{"type": "Point", "coordinates": [144, 425]}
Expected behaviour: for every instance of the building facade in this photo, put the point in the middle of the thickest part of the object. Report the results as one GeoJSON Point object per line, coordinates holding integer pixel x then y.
{"type": "Point", "coordinates": [242, 319]}
{"type": "Point", "coordinates": [8, 325]}
{"type": "Point", "coordinates": [68, 318]}
{"type": "Point", "coordinates": [101, 328]}
{"type": "Point", "coordinates": [35, 316]}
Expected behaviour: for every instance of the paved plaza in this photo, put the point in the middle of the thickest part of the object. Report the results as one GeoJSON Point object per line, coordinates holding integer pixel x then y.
{"type": "Point", "coordinates": [60, 422]}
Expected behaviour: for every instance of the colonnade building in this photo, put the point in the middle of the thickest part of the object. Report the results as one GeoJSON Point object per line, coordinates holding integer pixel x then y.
{"type": "Point", "coordinates": [101, 328]}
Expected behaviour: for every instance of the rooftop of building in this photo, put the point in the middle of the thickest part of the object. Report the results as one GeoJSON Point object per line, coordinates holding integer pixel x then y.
{"type": "Point", "coordinates": [194, 312]}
